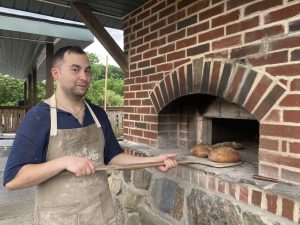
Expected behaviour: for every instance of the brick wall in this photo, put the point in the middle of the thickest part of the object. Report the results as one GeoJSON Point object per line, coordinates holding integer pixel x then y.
{"type": "Point", "coordinates": [247, 52]}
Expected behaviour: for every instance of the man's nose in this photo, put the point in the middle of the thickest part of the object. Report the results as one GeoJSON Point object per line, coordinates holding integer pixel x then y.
{"type": "Point", "coordinates": [83, 75]}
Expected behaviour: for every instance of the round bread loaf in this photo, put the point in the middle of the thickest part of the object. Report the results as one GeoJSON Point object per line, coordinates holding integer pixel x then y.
{"type": "Point", "coordinates": [224, 155]}
{"type": "Point", "coordinates": [201, 150]}
{"type": "Point", "coordinates": [230, 144]}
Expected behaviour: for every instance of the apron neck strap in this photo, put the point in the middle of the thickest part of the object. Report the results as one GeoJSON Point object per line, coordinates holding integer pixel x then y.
{"type": "Point", "coordinates": [53, 115]}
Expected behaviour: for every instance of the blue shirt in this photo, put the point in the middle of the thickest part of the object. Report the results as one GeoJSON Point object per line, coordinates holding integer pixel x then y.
{"type": "Point", "coordinates": [31, 140]}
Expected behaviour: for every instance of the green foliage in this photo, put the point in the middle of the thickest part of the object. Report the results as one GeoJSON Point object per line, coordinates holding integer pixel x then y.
{"type": "Point", "coordinates": [98, 70]}
{"type": "Point", "coordinates": [11, 90]}
{"type": "Point", "coordinates": [115, 88]}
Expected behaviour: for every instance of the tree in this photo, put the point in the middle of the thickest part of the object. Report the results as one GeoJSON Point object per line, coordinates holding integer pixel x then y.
{"type": "Point", "coordinates": [11, 90]}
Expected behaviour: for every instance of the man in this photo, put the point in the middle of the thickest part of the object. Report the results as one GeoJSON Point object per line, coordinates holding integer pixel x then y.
{"type": "Point", "coordinates": [67, 133]}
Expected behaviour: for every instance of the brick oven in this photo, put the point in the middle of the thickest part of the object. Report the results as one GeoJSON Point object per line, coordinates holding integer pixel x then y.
{"type": "Point", "coordinates": [213, 71]}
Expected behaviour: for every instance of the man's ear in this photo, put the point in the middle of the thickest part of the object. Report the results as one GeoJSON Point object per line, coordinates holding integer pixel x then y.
{"type": "Point", "coordinates": [55, 73]}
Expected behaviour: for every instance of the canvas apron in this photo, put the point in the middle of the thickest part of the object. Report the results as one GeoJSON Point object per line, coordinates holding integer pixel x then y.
{"type": "Point", "coordinates": [69, 200]}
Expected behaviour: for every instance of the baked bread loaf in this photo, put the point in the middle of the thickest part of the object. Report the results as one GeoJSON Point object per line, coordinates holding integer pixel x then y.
{"type": "Point", "coordinates": [201, 150]}
{"type": "Point", "coordinates": [224, 155]}
{"type": "Point", "coordinates": [231, 144]}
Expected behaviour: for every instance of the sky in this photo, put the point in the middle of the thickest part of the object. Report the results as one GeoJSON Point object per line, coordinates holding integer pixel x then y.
{"type": "Point", "coordinates": [100, 51]}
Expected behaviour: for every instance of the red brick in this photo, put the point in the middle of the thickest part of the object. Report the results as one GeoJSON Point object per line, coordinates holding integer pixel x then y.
{"type": "Point", "coordinates": [291, 116]}
{"type": "Point", "coordinates": [167, 48]}
{"type": "Point", "coordinates": [156, 77]}
{"type": "Point", "coordinates": [158, 25]}
{"type": "Point", "coordinates": [159, 97]}
{"type": "Point", "coordinates": [291, 100]}
{"type": "Point", "coordinates": [158, 42]}
{"type": "Point", "coordinates": [235, 84]}
{"type": "Point", "coordinates": [211, 35]}
{"type": "Point", "coordinates": [197, 28]}
{"type": "Point", "coordinates": [150, 134]}
{"type": "Point", "coordinates": [294, 147]}
{"type": "Point", "coordinates": [261, 6]}
{"type": "Point", "coordinates": [282, 14]}
{"type": "Point", "coordinates": [167, 30]}
{"type": "Point", "coordinates": [287, 208]}
{"type": "Point", "coordinates": [135, 87]}
{"type": "Point", "coordinates": [150, 20]}
{"type": "Point", "coordinates": [271, 203]}
{"type": "Point", "coordinates": [158, 60]}
{"type": "Point", "coordinates": [209, 13]}
{"type": "Point", "coordinates": [136, 58]}
{"type": "Point", "coordinates": [148, 86]}
{"type": "Point", "coordinates": [150, 54]}
{"type": "Point", "coordinates": [138, 26]}
{"type": "Point", "coordinates": [291, 176]}
{"type": "Point", "coordinates": [257, 93]}
{"type": "Point", "coordinates": [280, 130]}
{"type": "Point", "coordinates": [141, 79]}
{"type": "Point", "coordinates": [242, 25]}
{"type": "Point", "coordinates": [129, 95]}
{"type": "Point", "coordinates": [150, 118]}
{"type": "Point", "coordinates": [132, 21]}
{"type": "Point", "coordinates": [272, 58]}
{"type": "Point", "coordinates": [143, 15]}
{"type": "Point", "coordinates": [151, 37]}
{"type": "Point", "coordinates": [128, 137]}
{"type": "Point", "coordinates": [176, 36]}
{"type": "Point", "coordinates": [167, 11]}
{"type": "Point", "coordinates": [288, 42]}
{"type": "Point", "coordinates": [135, 73]}
{"type": "Point", "coordinates": [220, 54]}
{"type": "Point", "coordinates": [264, 33]}
{"type": "Point", "coordinates": [200, 5]}
{"type": "Point", "coordinates": [244, 51]}
{"type": "Point", "coordinates": [268, 171]}
{"type": "Point", "coordinates": [134, 117]}
{"type": "Point", "coordinates": [295, 85]}
{"type": "Point", "coordinates": [132, 66]}
{"type": "Point", "coordinates": [183, 4]}
{"type": "Point", "coordinates": [186, 42]}
{"type": "Point", "coordinates": [158, 7]}
{"type": "Point", "coordinates": [142, 94]}
{"type": "Point", "coordinates": [256, 198]}
{"type": "Point", "coordinates": [271, 157]}
{"type": "Point", "coordinates": [221, 20]}
{"type": "Point", "coordinates": [227, 42]}
{"type": "Point", "coordinates": [244, 193]}
{"type": "Point", "coordinates": [182, 81]}
{"type": "Point", "coordinates": [180, 62]}
{"type": "Point", "coordinates": [214, 77]}
{"type": "Point", "coordinates": [176, 55]}
{"type": "Point", "coordinates": [234, 4]}
{"type": "Point", "coordinates": [284, 146]}
{"type": "Point", "coordinates": [128, 110]}
{"type": "Point", "coordinates": [176, 17]}
{"type": "Point", "coordinates": [169, 87]}
{"type": "Point", "coordinates": [144, 63]}
{"type": "Point", "coordinates": [286, 70]}
{"type": "Point", "coordinates": [268, 144]}
{"type": "Point", "coordinates": [135, 102]}
{"type": "Point", "coordinates": [164, 67]}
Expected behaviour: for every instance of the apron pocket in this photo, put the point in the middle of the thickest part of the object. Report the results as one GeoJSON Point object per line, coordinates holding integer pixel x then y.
{"type": "Point", "coordinates": [58, 215]}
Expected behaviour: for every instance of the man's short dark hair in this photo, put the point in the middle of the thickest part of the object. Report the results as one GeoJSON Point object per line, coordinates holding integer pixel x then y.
{"type": "Point", "coordinates": [59, 54]}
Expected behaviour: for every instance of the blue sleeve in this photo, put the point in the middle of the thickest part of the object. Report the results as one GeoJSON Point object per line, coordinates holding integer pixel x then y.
{"type": "Point", "coordinates": [112, 147]}
{"type": "Point", "coordinates": [30, 143]}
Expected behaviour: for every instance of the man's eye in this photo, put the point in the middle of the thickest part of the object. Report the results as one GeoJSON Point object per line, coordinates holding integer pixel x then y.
{"type": "Point", "coordinates": [75, 69]}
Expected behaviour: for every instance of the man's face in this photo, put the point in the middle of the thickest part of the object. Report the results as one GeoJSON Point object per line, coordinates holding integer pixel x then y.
{"type": "Point", "coordinates": [73, 74]}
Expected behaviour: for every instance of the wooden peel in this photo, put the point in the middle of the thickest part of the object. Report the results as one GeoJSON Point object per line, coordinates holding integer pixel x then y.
{"type": "Point", "coordinates": [185, 160]}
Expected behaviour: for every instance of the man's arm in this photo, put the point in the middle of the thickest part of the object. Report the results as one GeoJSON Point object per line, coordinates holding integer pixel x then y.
{"type": "Point", "coordinates": [123, 158]}
{"type": "Point", "coordinates": [33, 174]}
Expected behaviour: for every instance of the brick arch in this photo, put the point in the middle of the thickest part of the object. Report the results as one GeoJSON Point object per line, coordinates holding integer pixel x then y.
{"type": "Point", "coordinates": [255, 91]}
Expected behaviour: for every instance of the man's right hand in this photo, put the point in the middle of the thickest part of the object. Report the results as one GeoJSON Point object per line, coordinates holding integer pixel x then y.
{"type": "Point", "coordinates": [80, 166]}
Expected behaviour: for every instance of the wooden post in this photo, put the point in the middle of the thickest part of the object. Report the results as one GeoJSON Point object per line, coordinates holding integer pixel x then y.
{"type": "Point", "coordinates": [105, 83]}
{"type": "Point", "coordinates": [92, 23]}
{"type": "Point", "coordinates": [49, 78]}
{"type": "Point", "coordinates": [34, 86]}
